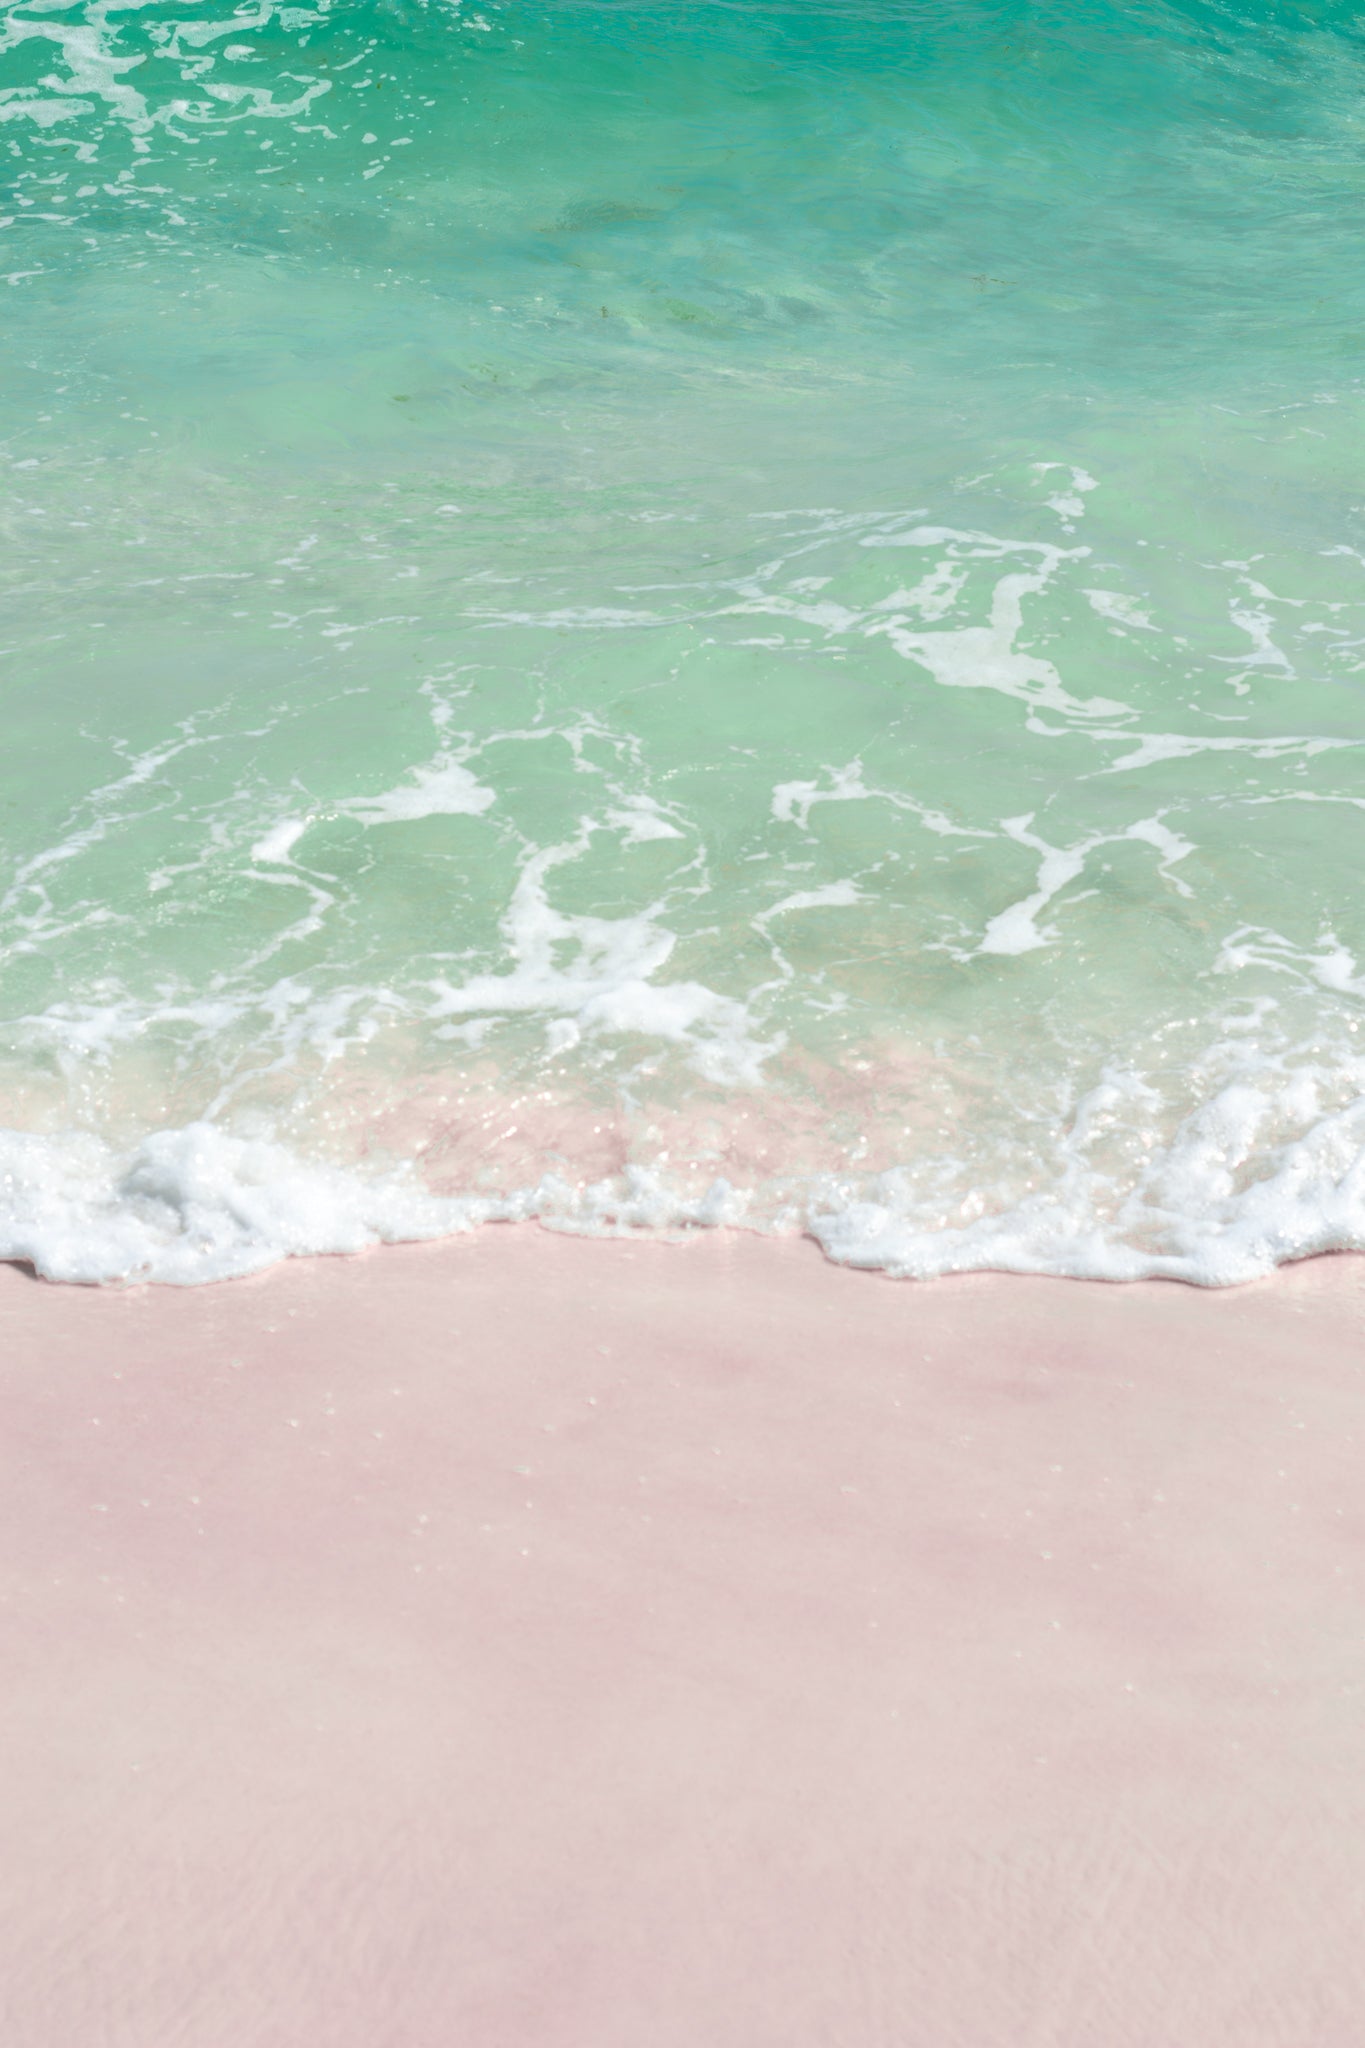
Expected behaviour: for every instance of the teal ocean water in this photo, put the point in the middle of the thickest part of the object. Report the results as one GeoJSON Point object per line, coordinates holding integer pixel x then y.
{"type": "Point", "coordinates": [658, 615]}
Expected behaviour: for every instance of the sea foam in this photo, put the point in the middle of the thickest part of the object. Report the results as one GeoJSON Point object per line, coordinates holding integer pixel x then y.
{"type": "Point", "coordinates": [802, 639]}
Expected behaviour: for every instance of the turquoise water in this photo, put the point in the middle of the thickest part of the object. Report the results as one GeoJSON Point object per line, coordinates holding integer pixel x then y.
{"type": "Point", "coordinates": [663, 615]}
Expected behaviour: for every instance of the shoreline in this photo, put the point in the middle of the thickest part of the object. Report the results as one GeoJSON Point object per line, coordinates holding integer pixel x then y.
{"type": "Point", "coordinates": [551, 1642]}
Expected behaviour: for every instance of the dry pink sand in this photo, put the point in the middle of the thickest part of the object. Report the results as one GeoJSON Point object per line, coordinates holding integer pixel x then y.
{"type": "Point", "coordinates": [533, 1643]}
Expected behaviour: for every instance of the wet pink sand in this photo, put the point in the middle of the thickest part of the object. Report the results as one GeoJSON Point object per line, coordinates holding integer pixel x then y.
{"type": "Point", "coordinates": [528, 1642]}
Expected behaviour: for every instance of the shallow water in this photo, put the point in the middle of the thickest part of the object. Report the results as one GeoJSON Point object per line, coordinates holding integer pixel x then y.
{"type": "Point", "coordinates": [666, 615]}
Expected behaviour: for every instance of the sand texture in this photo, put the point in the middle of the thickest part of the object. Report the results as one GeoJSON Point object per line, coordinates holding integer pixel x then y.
{"type": "Point", "coordinates": [528, 1642]}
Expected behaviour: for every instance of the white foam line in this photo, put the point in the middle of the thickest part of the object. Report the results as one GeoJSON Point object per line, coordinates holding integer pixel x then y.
{"type": "Point", "coordinates": [1178, 746]}
{"type": "Point", "coordinates": [607, 985]}
{"type": "Point", "coordinates": [1015, 930]}
{"type": "Point", "coordinates": [986, 657]}
{"type": "Point", "coordinates": [280, 840]}
{"type": "Point", "coordinates": [442, 788]}
{"type": "Point", "coordinates": [792, 803]}
{"type": "Point", "coordinates": [831, 896]}
{"type": "Point", "coordinates": [1267, 1165]}
{"type": "Point", "coordinates": [1333, 967]}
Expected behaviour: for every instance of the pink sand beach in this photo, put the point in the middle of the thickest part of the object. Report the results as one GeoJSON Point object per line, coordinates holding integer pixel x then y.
{"type": "Point", "coordinates": [534, 1642]}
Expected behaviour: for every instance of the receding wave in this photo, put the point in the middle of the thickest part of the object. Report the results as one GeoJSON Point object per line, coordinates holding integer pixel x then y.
{"type": "Point", "coordinates": [661, 617]}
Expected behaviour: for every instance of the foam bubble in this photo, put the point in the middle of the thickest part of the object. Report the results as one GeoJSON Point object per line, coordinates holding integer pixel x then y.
{"type": "Point", "coordinates": [443, 788]}
{"type": "Point", "coordinates": [192, 1204]}
{"type": "Point", "coordinates": [279, 842]}
{"type": "Point", "coordinates": [1200, 1211]}
{"type": "Point", "coordinates": [1269, 1167]}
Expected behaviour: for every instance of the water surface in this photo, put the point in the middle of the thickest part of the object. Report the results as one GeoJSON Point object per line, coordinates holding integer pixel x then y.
{"type": "Point", "coordinates": [658, 615]}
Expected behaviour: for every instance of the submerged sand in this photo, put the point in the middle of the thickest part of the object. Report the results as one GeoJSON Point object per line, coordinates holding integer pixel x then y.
{"type": "Point", "coordinates": [532, 1642]}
